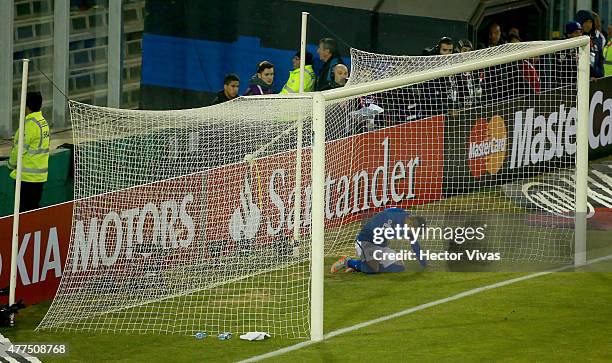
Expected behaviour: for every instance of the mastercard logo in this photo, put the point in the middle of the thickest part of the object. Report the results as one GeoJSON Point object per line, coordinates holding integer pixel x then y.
{"type": "Point", "coordinates": [487, 146]}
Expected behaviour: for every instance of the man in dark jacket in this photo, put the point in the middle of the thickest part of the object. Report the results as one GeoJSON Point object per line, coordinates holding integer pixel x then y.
{"type": "Point", "coordinates": [231, 85]}
{"type": "Point", "coordinates": [441, 94]}
{"type": "Point", "coordinates": [585, 18]}
{"type": "Point", "coordinates": [328, 53]}
{"type": "Point", "coordinates": [493, 37]}
{"type": "Point", "coordinates": [566, 61]}
{"type": "Point", "coordinates": [262, 81]}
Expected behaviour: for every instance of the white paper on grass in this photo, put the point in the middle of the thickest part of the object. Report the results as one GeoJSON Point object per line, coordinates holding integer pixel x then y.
{"type": "Point", "coordinates": [255, 335]}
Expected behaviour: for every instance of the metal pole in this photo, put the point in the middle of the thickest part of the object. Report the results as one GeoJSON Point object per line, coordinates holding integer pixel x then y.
{"type": "Point", "coordinates": [562, 21]}
{"type": "Point", "coordinates": [609, 15]}
{"type": "Point", "coordinates": [115, 59]}
{"type": "Point", "coordinates": [61, 34]}
{"type": "Point", "coordinates": [584, 5]}
{"type": "Point", "coordinates": [15, 241]}
{"type": "Point", "coordinates": [6, 68]}
{"type": "Point", "coordinates": [551, 16]}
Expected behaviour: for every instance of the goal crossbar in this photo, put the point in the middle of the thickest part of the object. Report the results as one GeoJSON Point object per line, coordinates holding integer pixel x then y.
{"type": "Point", "coordinates": [469, 65]}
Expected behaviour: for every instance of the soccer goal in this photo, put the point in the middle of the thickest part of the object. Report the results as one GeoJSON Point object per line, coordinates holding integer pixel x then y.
{"type": "Point", "coordinates": [185, 221]}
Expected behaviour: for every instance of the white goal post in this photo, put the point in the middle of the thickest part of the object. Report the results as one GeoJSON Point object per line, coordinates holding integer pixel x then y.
{"type": "Point", "coordinates": [582, 142]}
{"type": "Point", "coordinates": [185, 220]}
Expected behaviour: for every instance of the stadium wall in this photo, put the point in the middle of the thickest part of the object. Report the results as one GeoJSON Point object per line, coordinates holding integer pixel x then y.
{"type": "Point", "coordinates": [187, 49]}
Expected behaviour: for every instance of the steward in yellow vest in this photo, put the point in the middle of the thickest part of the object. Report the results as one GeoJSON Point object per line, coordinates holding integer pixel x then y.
{"type": "Point", "coordinates": [35, 162]}
{"type": "Point", "coordinates": [608, 59]}
{"type": "Point", "coordinates": [293, 83]}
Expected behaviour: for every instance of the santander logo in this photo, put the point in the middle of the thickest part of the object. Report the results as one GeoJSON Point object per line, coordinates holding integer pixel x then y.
{"type": "Point", "coordinates": [487, 146]}
{"type": "Point", "coordinates": [245, 220]}
{"type": "Point", "coordinates": [389, 178]}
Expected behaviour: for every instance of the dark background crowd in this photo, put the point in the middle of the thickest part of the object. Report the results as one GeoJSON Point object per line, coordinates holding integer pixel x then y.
{"type": "Point", "coordinates": [464, 90]}
{"type": "Point", "coordinates": [445, 95]}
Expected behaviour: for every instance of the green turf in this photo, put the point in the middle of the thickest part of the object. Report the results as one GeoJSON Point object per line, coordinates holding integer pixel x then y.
{"type": "Point", "coordinates": [560, 317]}
{"type": "Point", "coordinates": [563, 317]}
{"type": "Point", "coordinates": [557, 318]}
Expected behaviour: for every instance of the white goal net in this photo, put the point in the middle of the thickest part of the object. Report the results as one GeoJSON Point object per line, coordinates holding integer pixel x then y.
{"type": "Point", "coordinates": [184, 220]}
{"type": "Point", "coordinates": [465, 152]}
{"type": "Point", "coordinates": [174, 232]}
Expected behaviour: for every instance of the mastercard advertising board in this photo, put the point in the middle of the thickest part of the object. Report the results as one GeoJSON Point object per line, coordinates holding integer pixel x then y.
{"type": "Point", "coordinates": [522, 138]}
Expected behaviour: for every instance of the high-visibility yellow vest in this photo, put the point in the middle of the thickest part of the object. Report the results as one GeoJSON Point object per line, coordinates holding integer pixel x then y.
{"type": "Point", "coordinates": [608, 59]}
{"type": "Point", "coordinates": [293, 83]}
{"type": "Point", "coordinates": [35, 163]}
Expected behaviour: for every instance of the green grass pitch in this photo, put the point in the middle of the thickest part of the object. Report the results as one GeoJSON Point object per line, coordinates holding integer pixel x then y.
{"type": "Point", "coordinates": [561, 317]}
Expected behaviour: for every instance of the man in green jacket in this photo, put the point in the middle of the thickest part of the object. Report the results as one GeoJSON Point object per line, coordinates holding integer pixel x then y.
{"type": "Point", "coordinates": [35, 161]}
{"type": "Point", "coordinates": [293, 83]}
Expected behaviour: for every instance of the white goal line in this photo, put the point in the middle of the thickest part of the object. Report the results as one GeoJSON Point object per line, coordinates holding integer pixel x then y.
{"type": "Point", "coordinates": [414, 309]}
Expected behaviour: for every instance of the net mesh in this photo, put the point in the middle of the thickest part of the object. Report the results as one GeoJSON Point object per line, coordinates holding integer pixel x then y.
{"type": "Point", "coordinates": [184, 219]}
{"type": "Point", "coordinates": [463, 151]}
{"type": "Point", "coordinates": [171, 232]}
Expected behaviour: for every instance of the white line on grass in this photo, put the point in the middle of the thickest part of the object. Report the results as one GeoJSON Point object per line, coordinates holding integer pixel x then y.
{"type": "Point", "coordinates": [415, 309]}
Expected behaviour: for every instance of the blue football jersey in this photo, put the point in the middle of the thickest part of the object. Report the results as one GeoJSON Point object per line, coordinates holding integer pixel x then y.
{"type": "Point", "coordinates": [390, 217]}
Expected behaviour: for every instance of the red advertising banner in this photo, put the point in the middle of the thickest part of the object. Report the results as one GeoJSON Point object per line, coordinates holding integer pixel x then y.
{"type": "Point", "coordinates": [128, 233]}
{"type": "Point", "coordinates": [44, 235]}
{"type": "Point", "coordinates": [398, 166]}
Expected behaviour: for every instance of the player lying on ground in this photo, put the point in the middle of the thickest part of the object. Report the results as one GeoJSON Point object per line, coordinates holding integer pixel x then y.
{"type": "Point", "coordinates": [366, 248]}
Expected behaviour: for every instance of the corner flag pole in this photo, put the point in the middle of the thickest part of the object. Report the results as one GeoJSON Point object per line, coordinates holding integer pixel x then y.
{"type": "Point", "coordinates": [300, 126]}
{"type": "Point", "coordinates": [14, 245]}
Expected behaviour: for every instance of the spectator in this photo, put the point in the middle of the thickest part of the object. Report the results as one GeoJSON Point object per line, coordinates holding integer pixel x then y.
{"type": "Point", "coordinates": [442, 93]}
{"type": "Point", "coordinates": [328, 53]}
{"type": "Point", "coordinates": [470, 83]}
{"type": "Point", "coordinates": [573, 29]}
{"type": "Point", "coordinates": [608, 55]}
{"type": "Point", "coordinates": [444, 47]}
{"type": "Point", "coordinates": [261, 82]}
{"type": "Point", "coordinates": [529, 81]}
{"type": "Point", "coordinates": [35, 162]}
{"type": "Point", "coordinates": [465, 46]}
{"type": "Point", "coordinates": [566, 61]}
{"type": "Point", "coordinates": [231, 85]}
{"type": "Point", "coordinates": [495, 80]}
{"type": "Point", "coordinates": [513, 31]}
{"type": "Point", "coordinates": [493, 36]}
{"type": "Point", "coordinates": [293, 83]}
{"type": "Point", "coordinates": [609, 31]}
{"type": "Point", "coordinates": [585, 18]}
{"type": "Point", "coordinates": [597, 25]}
{"type": "Point", "coordinates": [340, 75]}
{"type": "Point", "coordinates": [513, 38]}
